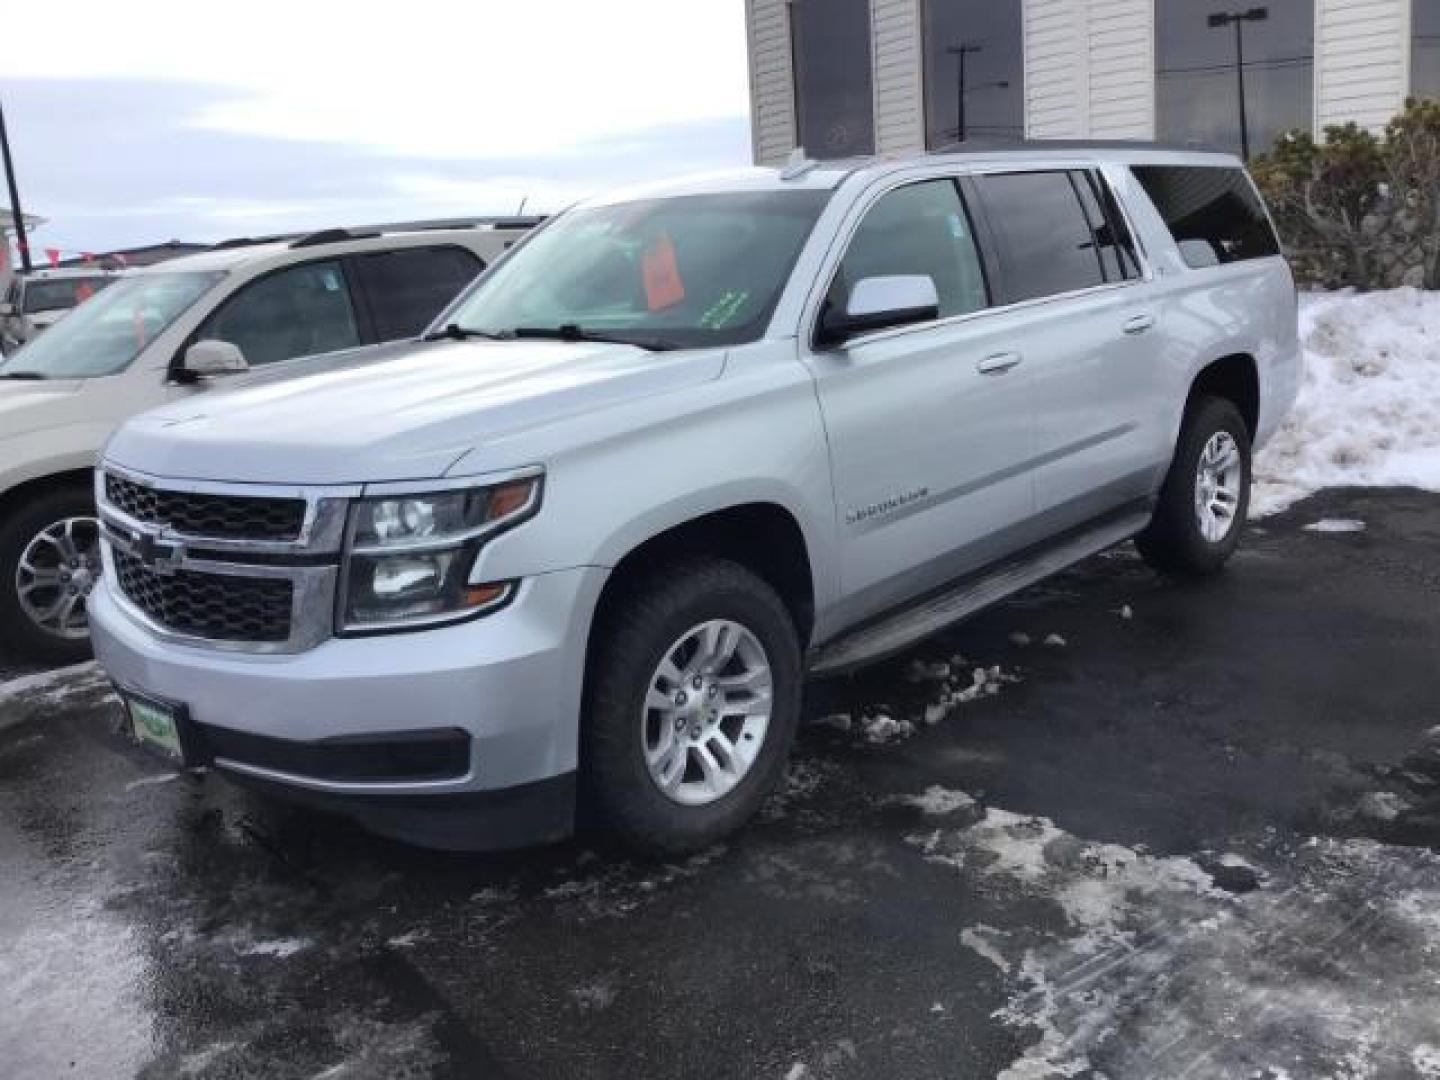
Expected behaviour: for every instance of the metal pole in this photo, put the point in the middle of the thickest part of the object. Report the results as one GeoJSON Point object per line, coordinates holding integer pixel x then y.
{"type": "Point", "coordinates": [1240, 84]}
{"type": "Point", "coordinates": [15, 211]}
{"type": "Point", "coordinates": [960, 100]}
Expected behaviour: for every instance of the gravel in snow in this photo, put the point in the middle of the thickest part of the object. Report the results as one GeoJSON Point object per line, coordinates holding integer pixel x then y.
{"type": "Point", "coordinates": [1369, 406]}
{"type": "Point", "coordinates": [1327, 969]}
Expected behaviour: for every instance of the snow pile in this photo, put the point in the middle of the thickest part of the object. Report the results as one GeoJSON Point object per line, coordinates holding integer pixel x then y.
{"type": "Point", "coordinates": [1326, 969]}
{"type": "Point", "coordinates": [1369, 407]}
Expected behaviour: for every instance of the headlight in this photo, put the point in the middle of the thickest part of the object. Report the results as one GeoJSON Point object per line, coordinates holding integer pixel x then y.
{"type": "Point", "coordinates": [410, 555]}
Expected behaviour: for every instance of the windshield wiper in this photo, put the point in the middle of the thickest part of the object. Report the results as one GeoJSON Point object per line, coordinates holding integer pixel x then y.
{"type": "Point", "coordinates": [32, 375]}
{"type": "Point", "coordinates": [456, 332]}
{"type": "Point", "coordinates": [573, 332]}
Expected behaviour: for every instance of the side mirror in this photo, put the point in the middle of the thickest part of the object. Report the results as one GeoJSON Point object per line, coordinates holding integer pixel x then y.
{"type": "Point", "coordinates": [7, 309]}
{"type": "Point", "coordinates": [878, 303]}
{"type": "Point", "coordinates": [214, 358]}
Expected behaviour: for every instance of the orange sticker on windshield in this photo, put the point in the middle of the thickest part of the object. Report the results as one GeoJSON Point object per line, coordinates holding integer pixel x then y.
{"type": "Point", "coordinates": [663, 287]}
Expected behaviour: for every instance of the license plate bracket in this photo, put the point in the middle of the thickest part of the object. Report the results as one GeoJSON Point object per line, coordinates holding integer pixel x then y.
{"type": "Point", "coordinates": [160, 727]}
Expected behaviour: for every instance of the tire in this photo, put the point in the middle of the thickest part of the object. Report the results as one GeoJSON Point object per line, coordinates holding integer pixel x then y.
{"type": "Point", "coordinates": [648, 623]}
{"type": "Point", "coordinates": [19, 529]}
{"type": "Point", "coordinates": [1176, 541]}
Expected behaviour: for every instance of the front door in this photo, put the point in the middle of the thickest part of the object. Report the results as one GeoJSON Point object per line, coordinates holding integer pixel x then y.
{"type": "Point", "coordinates": [929, 424]}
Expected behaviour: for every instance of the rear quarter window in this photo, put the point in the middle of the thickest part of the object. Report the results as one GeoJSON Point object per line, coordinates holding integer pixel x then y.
{"type": "Point", "coordinates": [1212, 212]}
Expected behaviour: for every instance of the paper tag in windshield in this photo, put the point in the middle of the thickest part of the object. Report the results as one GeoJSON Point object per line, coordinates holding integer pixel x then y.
{"type": "Point", "coordinates": [663, 287]}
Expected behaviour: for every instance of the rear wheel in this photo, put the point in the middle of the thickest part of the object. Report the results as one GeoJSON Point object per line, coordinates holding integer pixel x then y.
{"type": "Point", "coordinates": [1202, 506]}
{"type": "Point", "coordinates": [49, 562]}
{"type": "Point", "coordinates": [694, 697]}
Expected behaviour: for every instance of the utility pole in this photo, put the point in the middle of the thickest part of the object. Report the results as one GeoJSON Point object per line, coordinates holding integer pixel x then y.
{"type": "Point", "coordinates": [1235, 19]}
{"type": "Point", "coordinates": [960, 52]}
{"type": "Point", "coordinates": [15, 211]}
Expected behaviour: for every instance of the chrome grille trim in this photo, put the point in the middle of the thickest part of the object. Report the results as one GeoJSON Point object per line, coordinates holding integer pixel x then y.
{"type": "Point", "coordinates": [314, 580]}
{"type": "Point", "coordinates": [322, 530]}
{"type": "Point", "coordinates": [312, 601]}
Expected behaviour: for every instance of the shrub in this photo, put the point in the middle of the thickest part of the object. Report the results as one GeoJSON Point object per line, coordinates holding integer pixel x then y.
{"type": "Point", "coordinates": [1357, 209]}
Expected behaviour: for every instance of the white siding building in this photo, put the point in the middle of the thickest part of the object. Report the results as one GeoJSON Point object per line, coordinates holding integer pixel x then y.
{"type": "Point", "coordinates": [843, 77]}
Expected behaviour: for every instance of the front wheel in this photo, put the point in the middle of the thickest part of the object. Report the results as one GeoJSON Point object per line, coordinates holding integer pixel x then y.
{"type": "Point", "coordinates": [1202, 506]}
{"type": "Point", "coordinates": [49, 562]}
{"type": "Point", "coordinates": [694, 698]}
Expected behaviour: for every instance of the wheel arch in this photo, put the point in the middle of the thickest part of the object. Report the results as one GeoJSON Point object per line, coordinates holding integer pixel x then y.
{"type": "Point", "coordinates": [37, 485]}
{"type": "Point", "coordinates": [764, 536]}
{"type": "Point", "coordinates": [1234, 377]}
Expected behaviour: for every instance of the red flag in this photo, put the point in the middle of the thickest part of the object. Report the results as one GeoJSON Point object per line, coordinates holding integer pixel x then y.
{"type": "Point", "coordinates": [53, 254]}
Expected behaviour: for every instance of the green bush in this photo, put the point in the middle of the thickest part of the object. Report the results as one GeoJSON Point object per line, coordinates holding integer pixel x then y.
{"type": "Point", "coordinates": [1357, 209]}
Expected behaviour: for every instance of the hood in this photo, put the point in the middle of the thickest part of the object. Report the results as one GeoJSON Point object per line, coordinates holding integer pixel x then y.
{"type": "Point", "coordinates": [401, 412]}
{"type": "Point", "coordinates": [27, 405]}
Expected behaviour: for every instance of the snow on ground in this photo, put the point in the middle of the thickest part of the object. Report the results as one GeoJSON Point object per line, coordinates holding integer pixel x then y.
{"type": "Point", "coordinates": [1336, 525]}
{"type": "Point", "coordinates": [22, 697]}
{"type": "Point", "coordinates": [1150, 969]}
{"type": "Point", "coordinates": [1369, 407]}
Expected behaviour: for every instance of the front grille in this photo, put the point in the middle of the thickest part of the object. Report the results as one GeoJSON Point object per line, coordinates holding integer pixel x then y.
{"type": "Point", "coordinates": [217, 607]}
{"type": "Point", "coordinates": [194, 513]}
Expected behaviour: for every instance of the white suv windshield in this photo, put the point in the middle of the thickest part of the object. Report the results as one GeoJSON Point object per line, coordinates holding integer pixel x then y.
{"type": "Point", "coordinates": [104, 335]}
{"type": "Point", "coordinates": [677, 272]}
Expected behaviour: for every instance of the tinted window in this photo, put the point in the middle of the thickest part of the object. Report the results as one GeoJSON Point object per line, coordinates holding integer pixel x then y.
{"type": "Point", "coordinates": [1196, 97]}
{"type": "Point", "coordinates": [1213, 213]}
{"type": "Point", "coordinates": [974, 71]}
{"type": "Point", "coordinates": [918, 229]}
{"type": "Point", "coordinates": [1046, 243]}
{"type": "Point", "coordinates": [298, 311]}
{"type": "Point", "coordinates": [1117, 259]}
{"type": "Point", "coordinates": [1425, 49]}
{"type": "Point", "coordinates": [830, 42]}
{"type": "Point", "coordinates": [407, 289]}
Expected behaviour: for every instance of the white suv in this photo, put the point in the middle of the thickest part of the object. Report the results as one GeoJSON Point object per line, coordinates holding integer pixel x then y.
{"type": "Point", "coordinates": [164, 332]}
{"type": "Point", "coordinates": [38, 300]}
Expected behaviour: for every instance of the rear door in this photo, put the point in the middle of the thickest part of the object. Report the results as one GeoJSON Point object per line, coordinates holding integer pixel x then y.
{"type": "Point", "coordinates": [404, 289]}
{"type": "Point", "coordinates": [929, 424]}
{"type": "Point", "coordinates": [1085, 326]}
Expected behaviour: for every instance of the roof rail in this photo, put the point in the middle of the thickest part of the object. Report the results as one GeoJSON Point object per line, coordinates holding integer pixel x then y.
{"type": "Point", "coordinates": [251, 241]}
{"type": "Point", "coordinates": [798, 165]}
{"type": "Point", "coordinates": [333, 236]}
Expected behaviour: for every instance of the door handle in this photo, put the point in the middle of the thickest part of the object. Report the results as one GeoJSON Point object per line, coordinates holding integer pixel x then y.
{"type": "Point", "coordinates": [998, 363]}
{"type": "Point", "coordinates": [1139, 324]}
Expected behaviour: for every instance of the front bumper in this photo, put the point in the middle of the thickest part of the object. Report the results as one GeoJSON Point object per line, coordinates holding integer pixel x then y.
{"type": "Point", "coordinates": [510, 682]}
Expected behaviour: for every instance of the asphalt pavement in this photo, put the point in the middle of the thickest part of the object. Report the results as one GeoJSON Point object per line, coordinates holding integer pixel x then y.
{"type": "Point", "coordinates": [1120, 826]}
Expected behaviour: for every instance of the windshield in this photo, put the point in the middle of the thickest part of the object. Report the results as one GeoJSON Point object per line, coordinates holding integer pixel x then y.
{"type": "Point", "coordinates": [686, 271]}
{"type": "Point", "coordinates": [57, 294]}
{"type": "Point", "coordinates": [105, 335]}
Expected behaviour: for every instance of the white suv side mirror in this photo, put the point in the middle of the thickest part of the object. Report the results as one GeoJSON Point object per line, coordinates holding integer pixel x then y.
{"type": "Point", "coordinates": [878, 303]}
{"type": "Point", "coordinates": [214, 358]}
{"type": "Point", "coordinates": [7, 309]}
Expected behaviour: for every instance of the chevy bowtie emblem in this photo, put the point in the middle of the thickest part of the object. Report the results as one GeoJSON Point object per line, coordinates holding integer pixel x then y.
{"type": "Point", "coordinates": [155, 555]}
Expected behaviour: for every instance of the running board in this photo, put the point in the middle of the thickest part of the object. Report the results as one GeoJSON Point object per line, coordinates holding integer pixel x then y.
{"type": "Point", "coordinates": [892, 633]}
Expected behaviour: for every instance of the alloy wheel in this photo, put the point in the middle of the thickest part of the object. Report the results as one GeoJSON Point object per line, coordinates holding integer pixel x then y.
{"type": "Point", "coordinates": [55, 574]}
{"type": "Point", "coordinates": [706, 712]}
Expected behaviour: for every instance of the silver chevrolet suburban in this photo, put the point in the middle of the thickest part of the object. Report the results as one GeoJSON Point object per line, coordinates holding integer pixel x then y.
{"type": "Point", "coordinates": [681, 447]}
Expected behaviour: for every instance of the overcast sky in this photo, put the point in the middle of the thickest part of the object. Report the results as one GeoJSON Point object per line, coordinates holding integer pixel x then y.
{"type": "Point", "coordinates": [133, 124]}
